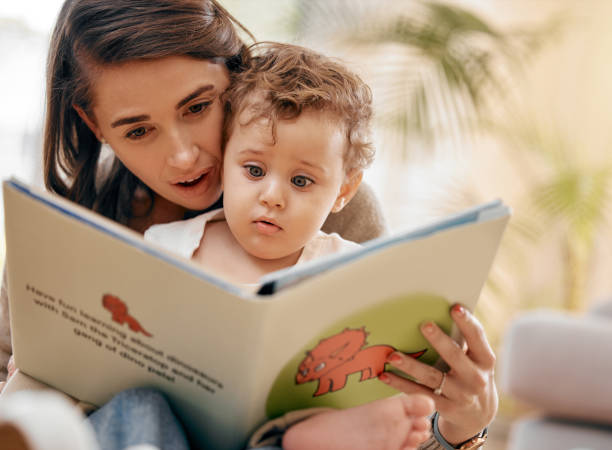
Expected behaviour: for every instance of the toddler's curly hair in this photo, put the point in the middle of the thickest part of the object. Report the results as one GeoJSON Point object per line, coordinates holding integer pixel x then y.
{"type": "Point", "coordinates": [284, 80]}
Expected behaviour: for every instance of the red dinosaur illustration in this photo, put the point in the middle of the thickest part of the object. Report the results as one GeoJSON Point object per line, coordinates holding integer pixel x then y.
{"type": "Point", "coordinates": [119, 312]}
{"type": "Point", "coordinates": [340, 355]}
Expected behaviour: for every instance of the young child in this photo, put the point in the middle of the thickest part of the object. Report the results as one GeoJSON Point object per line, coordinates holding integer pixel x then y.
{"type": "Point", "coordinates": [296, 142]}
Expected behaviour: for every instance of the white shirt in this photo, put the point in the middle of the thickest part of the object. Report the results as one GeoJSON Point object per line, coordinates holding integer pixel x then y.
{"type": "Point", "coordinates": [183, 237]}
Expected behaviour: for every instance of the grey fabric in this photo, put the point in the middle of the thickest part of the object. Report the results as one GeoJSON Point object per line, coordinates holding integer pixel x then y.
{"type": "Point", "coordinates": [549, 434]}
{"type": "Point", "coordinates": [360, 220]}
{"type": "Point", "coordinates": [560, 364]}
{"type": "Point", "coordinates": [602, 309]}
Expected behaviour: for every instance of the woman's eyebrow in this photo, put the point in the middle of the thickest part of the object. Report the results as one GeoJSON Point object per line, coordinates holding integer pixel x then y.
{"type": "Point", "coordinates": [194, 94]}
{"type": "Point", "coordinates": [142, 117]}
{"type": "Point", "coordinates": [128, 120]}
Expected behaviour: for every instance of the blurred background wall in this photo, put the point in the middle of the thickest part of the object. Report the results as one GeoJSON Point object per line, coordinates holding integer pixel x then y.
{"type": "Point", "coordinates": [475, 100]}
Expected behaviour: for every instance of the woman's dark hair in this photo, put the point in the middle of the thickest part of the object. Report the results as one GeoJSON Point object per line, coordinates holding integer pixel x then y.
{"type": "Point", "coordinates": [95, 33]}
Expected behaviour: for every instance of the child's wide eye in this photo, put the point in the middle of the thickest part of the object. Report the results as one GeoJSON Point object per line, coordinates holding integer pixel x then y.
{"type": "Point", "coordinates": [255, 171]}
{"type": "Point", "coordinates": [301, 181]}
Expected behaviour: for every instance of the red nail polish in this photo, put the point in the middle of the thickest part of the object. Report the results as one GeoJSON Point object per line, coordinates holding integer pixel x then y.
{"type": "Point", "coordinates": [459, 310]}
{"type": "Point", "coordinates": [428, 328]}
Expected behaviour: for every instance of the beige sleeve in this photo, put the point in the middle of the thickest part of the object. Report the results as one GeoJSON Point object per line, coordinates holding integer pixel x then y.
{"type": "Point", "coordinates": [6, 349]}
{"type": "Point", "coordinates": [360, 220]}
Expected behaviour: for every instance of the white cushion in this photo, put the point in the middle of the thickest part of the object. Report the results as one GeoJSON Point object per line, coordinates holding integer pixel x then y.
{"type": "Point", "coordinates": [543, 434]}
{"type": "Point", "coordinates": [561, 364]}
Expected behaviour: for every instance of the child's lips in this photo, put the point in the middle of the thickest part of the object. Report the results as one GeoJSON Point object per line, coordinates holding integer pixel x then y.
{"type": "Point", "coordinates": [266, 227]}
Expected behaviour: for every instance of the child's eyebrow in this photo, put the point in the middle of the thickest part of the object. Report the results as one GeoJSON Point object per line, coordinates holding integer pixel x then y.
{"type": "Point", "coordinates": [313, 165]}
{"type": "Point", "coordinates": [251, 150]}
{"type": "Point", "coordinates": [301, 161]}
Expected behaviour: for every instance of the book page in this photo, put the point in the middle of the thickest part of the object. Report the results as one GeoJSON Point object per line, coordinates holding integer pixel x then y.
{"type": "Point", "coordinates": [365, 310]}
{"type": "Point", "coordinates": [93, 315]}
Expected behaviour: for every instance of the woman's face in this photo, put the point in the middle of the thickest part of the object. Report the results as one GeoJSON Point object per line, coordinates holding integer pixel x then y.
{"type": "Point", "coordinates": [163, 120]}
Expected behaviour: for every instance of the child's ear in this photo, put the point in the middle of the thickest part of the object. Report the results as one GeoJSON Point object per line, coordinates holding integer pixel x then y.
{"type": "Point", "coordinates": [91, 124]}
{"type": "Point", "coordinates": [348, 189]}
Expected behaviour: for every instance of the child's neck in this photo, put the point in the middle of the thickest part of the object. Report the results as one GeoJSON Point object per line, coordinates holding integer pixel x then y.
{"type": "Point", "coordinates": [221, 253]}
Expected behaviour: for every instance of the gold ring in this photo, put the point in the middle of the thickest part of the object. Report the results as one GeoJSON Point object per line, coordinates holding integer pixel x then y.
{"type": "Point", "coordinates": [438, 390]}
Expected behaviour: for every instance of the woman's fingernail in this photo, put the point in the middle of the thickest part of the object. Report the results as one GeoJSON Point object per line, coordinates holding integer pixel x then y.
{"type": "Point", "coordinates": [428, 328]}
{"type": "Point", "coordinates": [384, 378]}
{"type": "Point", "coordinates": [459, 310]}
{"type": "Point", "coordinates": [395, 358]}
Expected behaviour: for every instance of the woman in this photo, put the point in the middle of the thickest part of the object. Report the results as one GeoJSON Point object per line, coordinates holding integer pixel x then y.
{"type": "Point", "coordinates": [145, 76]}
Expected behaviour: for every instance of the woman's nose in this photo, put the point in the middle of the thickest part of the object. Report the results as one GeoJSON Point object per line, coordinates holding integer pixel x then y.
{"type": "Point", "coordinates": [183, 154]}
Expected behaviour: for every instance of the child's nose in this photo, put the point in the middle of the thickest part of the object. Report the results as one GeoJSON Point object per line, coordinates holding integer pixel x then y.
{"type": "Point", "coordinates": [272, 195]}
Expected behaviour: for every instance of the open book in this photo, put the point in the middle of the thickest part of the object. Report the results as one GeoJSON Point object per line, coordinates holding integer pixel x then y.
{"type": "Point", "coordinates": [95, 309]}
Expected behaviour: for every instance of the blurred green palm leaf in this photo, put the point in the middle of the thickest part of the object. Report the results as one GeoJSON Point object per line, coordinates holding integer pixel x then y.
{"type": "Point", "coordinates": [576, 196]}
{"type": "Point", "coordinates": [435, 67]}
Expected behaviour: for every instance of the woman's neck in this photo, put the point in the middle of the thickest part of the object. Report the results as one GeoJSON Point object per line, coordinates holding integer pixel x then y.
{"type": "Point", "coordinates": [163, 211]}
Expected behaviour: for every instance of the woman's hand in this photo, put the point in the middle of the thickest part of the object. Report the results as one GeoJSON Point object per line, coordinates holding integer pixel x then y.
{"type": "Point", "coordinates": [466, 398]}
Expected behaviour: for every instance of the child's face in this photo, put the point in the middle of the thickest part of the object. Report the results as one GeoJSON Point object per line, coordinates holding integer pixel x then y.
{"type": "Point", "coordinates": [277, 195]}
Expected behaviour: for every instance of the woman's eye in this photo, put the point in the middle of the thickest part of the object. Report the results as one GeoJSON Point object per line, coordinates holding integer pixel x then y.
{"type": "Point", "coordinates": [198, 107]}
{"type": "Point", "coordinates": [255, 171]}
{"type": "Point", "coordinates": [301, 181]}
{"type": "Point", "coordinates": [137, 133]}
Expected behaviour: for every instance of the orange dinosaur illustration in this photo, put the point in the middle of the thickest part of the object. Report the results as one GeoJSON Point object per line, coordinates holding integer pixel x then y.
{"type": "Point", "coordinates": [340, 355]}
{"type": "Point", "coordinates": [119, 312]}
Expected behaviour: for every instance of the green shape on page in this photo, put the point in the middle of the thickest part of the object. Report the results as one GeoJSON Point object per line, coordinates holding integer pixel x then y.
{"type": "Point", "coordinates": [339, 365]}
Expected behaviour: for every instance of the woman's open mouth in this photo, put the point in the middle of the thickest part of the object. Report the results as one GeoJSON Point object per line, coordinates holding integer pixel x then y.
{"type": "Point", "coordinates": [196, 184]}
{"type": "Point", "coordinates": [192, 182]}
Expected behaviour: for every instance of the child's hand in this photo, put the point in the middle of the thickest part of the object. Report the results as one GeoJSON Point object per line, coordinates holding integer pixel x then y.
{"type": "Point", "coordinates": [395, 423]}
{"type": "Point", "coordinates": [466, 397]}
